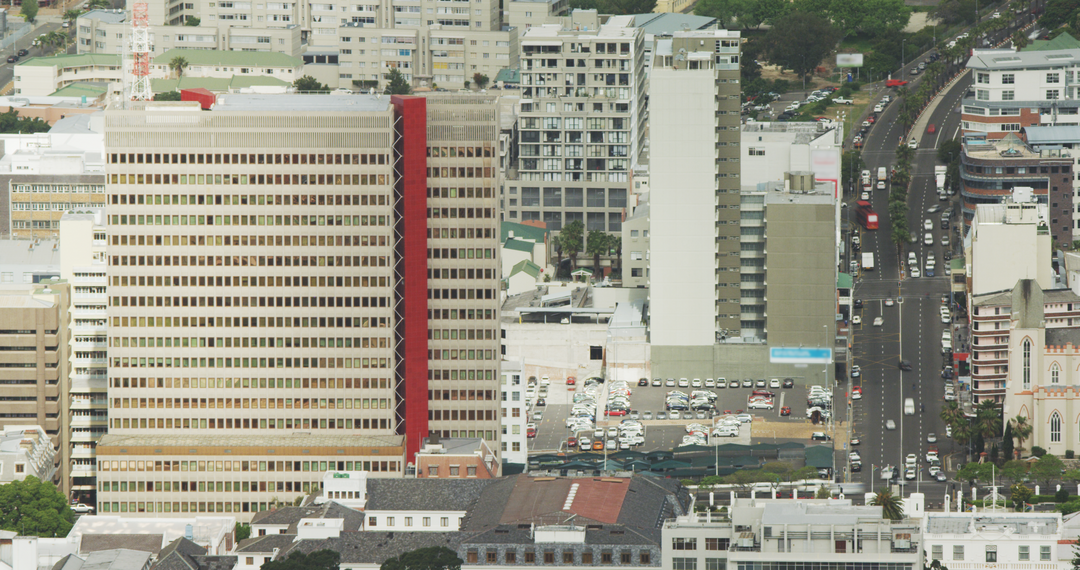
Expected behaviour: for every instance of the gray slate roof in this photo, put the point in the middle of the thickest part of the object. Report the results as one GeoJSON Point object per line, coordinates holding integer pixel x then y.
{"type": "Point", "coordinates": [329, 510]}
{"type": "Point", "coordinates": [652, 500]}
{"type": "Point", "coordinates": [112, 559]}
{"type": "Point", "coordinates": [183, 554]}
{"type": "Point", "coordinates": [424, 494]}
{"type": "Point", "coordinates": [267, 543]}
{"type": "Point", "coordinates": [375, 547]}
{"type": "Point", "coordinates": [144, 542]}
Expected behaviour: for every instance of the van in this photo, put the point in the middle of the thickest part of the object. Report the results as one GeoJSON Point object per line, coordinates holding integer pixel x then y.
{"type": "Point", "coordinates": [909, 407]}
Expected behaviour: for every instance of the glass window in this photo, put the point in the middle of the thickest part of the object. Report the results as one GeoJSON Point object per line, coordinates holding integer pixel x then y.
{"type": "Point", "coordinates": [552, 198]}
{"type": "Point", "coordinates": [935, 552]}
{"type": "Point", "coordinates": [1055, 428]}
{"type": "Point", "coordinates": [575, 198]}
{"type": "Point", "coordinates": [1044, 553]}
{"type": "Point", "coordinates": [596, 197]}
{"type": "Point", "coordinates": [1026, 364]}
{"type": "Point", "coordinates": [991, 553]}
{"type": "Point", "coordinates": [684, 564]}
{"type": "Point", "coordinates": [1023, 553]}
{"type": "Point", "coordinates": [1055, 373]}
{"type": "Point", "coordinates": [958, 552]}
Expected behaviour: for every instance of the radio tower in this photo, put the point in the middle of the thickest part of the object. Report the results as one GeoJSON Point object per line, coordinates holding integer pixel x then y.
{"type": "Point", "coordinates": [140, 49]}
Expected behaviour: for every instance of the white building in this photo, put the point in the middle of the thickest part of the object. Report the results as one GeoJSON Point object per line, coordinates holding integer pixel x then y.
{"type": "Point", "coordinates": [214, 533]}
{"type": "Point", "coordinates": [1014, 90]}
{"type": "Point", "coordinates": [771, 150]}
{"type": "Point", "coordinates": [1009, 241]}
{"type": "Point", "coordinates": [26, 451]}
{"type": "Point", "coordinates": [83, 234]}
{"type": "Point", "coordinates": [515, 413]}
{"type": "Point", "coordinates": [1019, 541]}
{"type": "Point", "coordinates": [694, 217]}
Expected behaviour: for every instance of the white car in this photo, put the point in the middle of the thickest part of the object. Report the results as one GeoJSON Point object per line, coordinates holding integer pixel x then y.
{"type": "Point", "coordinates": [760, 405]}
{"type": "Point", "coordinates": [745, 418]}
{"type": "Point", "coordinates": [889, 302]}
{"type": "Point", "coordinates": [670, 383]}
{"type": "Point", "coordinates": [911, 459]}
{"type": "Point", "coordinates": [82, 509]}
{"type": "Point", "coordinates": [915, 273]}
{"type": "Point", "coordinates": [913, 143]}
{"type": "Point", "coordinates": [864, 195]}
{"type": "Point", "coordinates": [909, 474]}
{"type": "Point", "coordinates": [774, 383]}
{"type": "Point", "coordinates": [890, 425]}
{"type": "Point", "coordinates": [881, 185]}
{"type": "Point", "coordinates": [696, 383]}
{"type": "Point", "coordinates": [928, 225]}
{"type": "Point", "coordinates": [710, 383]}
{"type": "Point", "coordinates": [878, 321]}
{"type": "Point", "coordinates": [545, 380]}
{"type": "Point", "coordinates": [856, 395]}
{"type": "Point", "coordinates": [684, 383]}
{"type": "Point", "coordinates": [856, 320]}
{"type": "Point", "coordinates": [928, 238]}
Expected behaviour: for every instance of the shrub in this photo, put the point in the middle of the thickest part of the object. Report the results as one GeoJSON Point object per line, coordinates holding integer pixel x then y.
{"type": "Point", "coordinates": [1069, 454]}
{"type": "Point", "coordinates": [1062, 496]}
{"type": "Point", "coordinates": [1038, 451]}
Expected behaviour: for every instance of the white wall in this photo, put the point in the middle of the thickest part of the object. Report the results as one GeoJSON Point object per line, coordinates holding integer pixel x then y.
{"type": "Point", "coordinates": [683, 209]}
{"type": "Point", "coordinates": [383, 523]}
{"type": "Point", "coordinates": [513, 389]}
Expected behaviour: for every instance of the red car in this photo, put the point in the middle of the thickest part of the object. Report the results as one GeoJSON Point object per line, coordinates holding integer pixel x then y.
{"type": "Point", "coordinates": [570, 381]}
{"type": "Point", "coordinates": [530, 432]}
{"type": "Point", "coordinates": [857, 390]}
{"type": "Point", "coordinates": [615, 412]}
{"type": "Point", "coordinates": [785, 411]}
{"type": "Point", "coordinates": [870, 119]}
{"type": "Point", "coordinates": [571, 441]}
{"type": "Point", "coordinates": [894, 83]}
{"type": "Point", "coordinates": [930, 128]}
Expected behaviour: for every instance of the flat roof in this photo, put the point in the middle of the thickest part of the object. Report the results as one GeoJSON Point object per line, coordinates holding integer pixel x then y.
{"type": "Point", "coordinates": [44, 253]}
{"type": "Point", "coordinates": [964, 523]}
{"type": "Point", "coordinates": [1001, 59]}
{"type": "Point", "coordinates": [817, 514]}
{"type": "Point", "coordinates": [107, 16]}
{"type": "Point", "coordinates": [667, 23]}
{"type": "Point", "coordinates": [302, 102]}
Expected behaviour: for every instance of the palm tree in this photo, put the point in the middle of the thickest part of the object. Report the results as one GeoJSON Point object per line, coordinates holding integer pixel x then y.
{"type": "Point", "coordinates": [1021, 431]}
{"type": "Point", "coordinates": [961, 434]}
{"type": "Point", "coordinates": [951, 414]}
{"type": "Point", "coordinates": [178, 64]}
{"type": "Point", "coordinates": [891, 507]}
{"type": "Point", "coordinates": [988, 419]}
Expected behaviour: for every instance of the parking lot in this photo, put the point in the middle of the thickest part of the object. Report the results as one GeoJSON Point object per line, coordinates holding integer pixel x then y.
{"type": "Point", "coordinates": [665, 434]}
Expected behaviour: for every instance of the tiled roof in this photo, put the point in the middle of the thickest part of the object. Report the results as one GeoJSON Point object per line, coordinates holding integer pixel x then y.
{"type": "Point", "coordinates": [525, 266]}
{"type": "Point", "coordinates": [145, 542]}
{"type": "Point", "coordinates": [541, 499]}
{"type": "Point", "coordinates": [74, 60]}
{"type": "Point", "coordinates": [424, 494]}
{"type": "Point", "coordinates": [521, 231]}
{"type": "Point", "coordinates": [519, 245]}
{"type": "Point", "coordinates": [183, 554]}
{"type": "Point", "coordinates": [267, 543]}
{"type": "Point", "coordinates": [375, 547]}
{"type": "Point", "coordinates": [353, 519]}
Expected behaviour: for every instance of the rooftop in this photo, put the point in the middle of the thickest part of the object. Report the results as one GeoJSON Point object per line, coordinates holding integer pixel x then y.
{"type": "Point", "coordinates": [372, 548]}
{"type": "Point", "coordinates": [965, 523]}
{"type": "Point", "coordinates": [781, 513]}
{"type": "Point", "coordinates": [616, 27]}
{"type": "Point", "coordinates": [1001, 59]}
{"type": "Point", "coordinates": [44, 252]}
{"type": "Point", "coordinates": [1006, 298]}
{"type": "Point", "coordinates": [1055, 134]}
{"type": "Point", "coordinates": [291, 516]}
{"type": "Point", "coordinates": [149, 543]}
{"type": "Point", "coordinates": [1063, 41]}
{"type": "Point", "coordinates": [257, 59]}
{"type": "Point", "coordinates": [667, 23]}
{"type": "Point", "coordinates": [217, 84]}
{"type": "Point", "coordinates": [231, 441]}
{"type": "Point", "coordinates": [88, 89]}
{"type": "Point", "coordinates": [1061, 337]}
{"type": "Point", "coordinates": [423, 494]}
{"type": "Point", "coordinates": [527, 267]}
{"type": "Point", "coordinates": [26, 301]}
{"type": "Point", "coordinates": [521, 231]}
{"type": "Point", "coordinates": [115, 559]}
{"type": "Point", "coordinates": [74, 125]}
{"type": "Point", "coordinates": [302, 102]}
{"type": "Point", "coordinates": [1009, 147]}
{"type": "Point", "coordinates": [203, 528]}
{"type": "Point", "coordinates": [265, 543]}
{"type": "Point", "coordinates": [107, 16]}
{"type": "Point", "coordinates": [456, 445]}
{"type": "Point", "coordinates": [183, 554]}
{"type": "Point", "coordinates": [75, 60]}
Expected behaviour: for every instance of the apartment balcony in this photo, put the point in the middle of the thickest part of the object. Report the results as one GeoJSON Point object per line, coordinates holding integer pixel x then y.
{"type": "Point", "coordinates": [89, 420]}
{"type": "Point", "coordinates": [83, 471]}
{"type": "Point", "coordinates": [84, 436]}
{"type": "Point", "coordinates": [75, 361]}
{"type": "Point", "coordinates": [89, 403]}
{"type": "Point", "coordinates": [82, 451]}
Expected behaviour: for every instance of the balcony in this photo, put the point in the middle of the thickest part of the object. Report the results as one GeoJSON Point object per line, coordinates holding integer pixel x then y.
{"type": "Point", "coordinates": [83, 471]}
{"type": "Point", "coordinates": [87, 420]}
{"type": "Point", "coordinates": [89, 403]}
{"type": "Point", "coordinates": [81, 436]}
{"type": "Point", "coordinates": [82, 451]}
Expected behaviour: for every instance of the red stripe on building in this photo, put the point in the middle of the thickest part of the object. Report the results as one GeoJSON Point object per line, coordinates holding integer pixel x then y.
{"type": "Point", "coordinates": [411, 190]}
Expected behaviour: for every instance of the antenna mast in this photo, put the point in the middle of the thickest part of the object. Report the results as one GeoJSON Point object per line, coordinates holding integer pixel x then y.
{"type": "Point", "coordinates": [140, 49]}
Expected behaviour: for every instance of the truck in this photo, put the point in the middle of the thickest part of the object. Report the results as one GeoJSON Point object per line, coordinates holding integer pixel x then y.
{"type": "Point", "coordinates": [867, 217]}
{"type": "Point", "coordinates": [882, 174]}
{"type": "Point", "coordinates": [939, 178]}
{"type": "Point", "coordinates": [868, 262]}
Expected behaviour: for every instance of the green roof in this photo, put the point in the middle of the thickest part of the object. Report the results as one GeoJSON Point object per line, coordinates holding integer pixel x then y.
{"type": "Point", "coordinates": [521, 231]}
{"type": "Point", "coordinates": [519, 245]}
{"type": "Point", "coordinates": [81, 89]}
{"type": "Point", "coordinates": [1062, 41]}
{"type": "Point", "coordinates": [75, 60]}
{"type": "Point", "coordinates": [215, 84]}
{"type": "Point", "coordinates": [507, 75]}
{"type": "Point", "coordinates": [844, 281]}
{"type": "Point", "coordinates": [527, 267]}
{"type": "Point", "coordinates": [819, 457]}
{"type": "Point", "coordinates": [956, 264]}
{"type": "Point", "coordinates": [257, 59]}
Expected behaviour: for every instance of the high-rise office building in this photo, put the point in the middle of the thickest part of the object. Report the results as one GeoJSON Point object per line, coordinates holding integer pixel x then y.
{"type": "Point", "coordinates": [695, 274]}
{"type": "Point", "coordinates": [581, 122]}
{"type": "Point", "coordinates": [273, 293]}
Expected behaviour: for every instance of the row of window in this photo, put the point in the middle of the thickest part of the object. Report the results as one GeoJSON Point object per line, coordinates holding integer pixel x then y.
{"type": "Point", "coordinates": [254, 403]}
{"type": "Point", "coordinates": [259, 179]}
{"type": "Point", "coordinates": [341, 363]}
{"type": "Point", "coordinates": [261, 423]}
{"type": "Point", "coordinates": [251, 199]}
{"type": "Point", "coordinates": [692, 564]}
{"type": "Point", "coordinates": [1023, 552]}
{"type": "Point", "coordinates": [166, 158]}
{"type": "Point", "coordinates": [530, 556]}
{"type": "Point", "coordinates": [183, 507]}
{"type": "Point", "coordinates": [158, 220]}
{"type": "Point", "coordinates": [279, 260]}
{"type": "Point", "coordinates": [257, 281]}
{"type": "Point", "coordinates": [678, 543]}
{"type": "Point", "coordinates": [261, 383]}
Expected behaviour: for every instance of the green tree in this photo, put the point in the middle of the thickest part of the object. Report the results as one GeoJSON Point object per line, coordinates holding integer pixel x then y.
{"type": "Point", "coordinates": [883, 16]}
{"type": "Point", "coordinates": [318, 560]}
{"type": "Point", "coordinates": [988, 419]}
{"type": "Point", "coordinates": [616, 7]}
{"type": "Point", "coordinates": [98, 5]}
{"type": "Point", "coordinates": [11, 123]}
{"type": "Point", "coordinates": [308, 84]}
{"type": "Point", "coordinates": [823, 492]}
{"type": "Point", "coordinates": [571, 239]}
{"type": "Point", "coordinates": [32, 507]}
{"type": "Point", "coordinates": [29, 10]}
{"type": "Point", "coordinates": [167, 96]}
{"type": "Point", "coordinates": [1019, 40]}
{"type": "Point", "coordinates": [430, 558]}
{"type": "Point", "coordinates": [951, 414]}
{"type": "Point", "coordinates": [73, 14]}
{"type": "Point", "coordinates": [1019, 494]}
{"type": "Point", "coordinates": [973, 471]}
{"type": "Point", "coordinates": [193, 22]}
{"type": "Point", "coordinates": [1021, 431]}
{"type": "Point", "coordinates": [243, 531]}
{"type": "Point", "coordinates": [799, 41]}
{"type": "Point", "coordinates": [1014, 470]}
{"type": "Point", "coordinates": [851, 165]}
{"type": "Point", "coordinates": [480, 80]}
{"type": "Point", "coordinates": [178, 64]}
{"type": "Point", "coordinates": [1071, 475]}
{"type": "Point", "coordinates": [396, 84]}
{"type": "Point", "coordinates": [599, 243]}
{"type": "Point", "coordinates": [1007, 450]}
{"type": "Point", "coordinates": [891, 507]}
{"type": "Point", "coordinates": [1047, 468]}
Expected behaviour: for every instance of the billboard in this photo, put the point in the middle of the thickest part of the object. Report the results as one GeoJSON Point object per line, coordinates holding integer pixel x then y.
{"type": "Point", "coordinates": [778, 355]}
{"type": "Point", "coordinates": [849, 60]}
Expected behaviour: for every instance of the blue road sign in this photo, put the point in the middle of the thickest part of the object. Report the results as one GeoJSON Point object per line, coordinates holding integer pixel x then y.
{"type": "Point", "coordinates": [800, 355]}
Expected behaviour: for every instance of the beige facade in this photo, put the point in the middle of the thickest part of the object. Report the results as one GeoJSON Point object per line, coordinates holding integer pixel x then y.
{"type": "Point", "coordinates": [463, 306]}
{"type": "Point", "coordinates": [525, 14]}
{"type": "Point", "coordinates": [261, 269]}
{"type": "Point", "coordinates": [34, 365]}
{"type": "Point", "coordinates": [106, 31]}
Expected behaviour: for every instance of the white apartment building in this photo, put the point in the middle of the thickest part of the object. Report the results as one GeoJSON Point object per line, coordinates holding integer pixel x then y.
{"type": "Point", "coordinates": [1020, 541]}
{"type": "Point", "coordinates": [635, 245]}
{"type": "Point", "coordinates": [26, 451]}
{"type": "Point", "coordinates": [83, 235]}
{"type": "Point", "coordinates": [694, 201]}
{"type": "Point", "coordinates": [770, 151]}
{"type": "Point", "coordinates": [1009, 242]}
{"type": "Point", "coordinates": [109, 31]}
{"type": "Point", "coordinates": [581, 123]}
{"type": "Point", "coordinates": [1061, 141]}
{"type": "Point", "coordinates": [1017, 89]}
{"type": "Point", "coordinates": [515, 414]}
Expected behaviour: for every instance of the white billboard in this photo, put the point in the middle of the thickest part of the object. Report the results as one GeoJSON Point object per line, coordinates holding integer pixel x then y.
{"type": "Point", "coordinates": [849, 60]}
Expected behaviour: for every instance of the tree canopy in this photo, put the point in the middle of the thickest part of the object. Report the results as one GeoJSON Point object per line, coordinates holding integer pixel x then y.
{"type": "Point", "coordinates": [616, 7]}
{"type": "Point", "coordinates": [192, 21]}
{"type": "Point", "coordinates": [32, 507]}
{"type": "Point", "coordinates": [891, 507]}
{"type": "Point", "coordinates": [167, 96]}
{"type": "Point", "coordinates": [745, 13]}
{"type": "Point", "coordinates": [11, 123]}
{"type": "Point", "coordinates": [430, 558]}
{"type": "Point", "coordinates": [571, 239]}
{"type": "Point", "coordinates": [799, 41]}
{"type": "Point", "coordinates": [318, 560]}
{"type": "Point", "coordinates": [29, 10]}
{"type": "Point", "coordinates": [309, 84]}
{"type": "Point", "coordinates": [396, 84]}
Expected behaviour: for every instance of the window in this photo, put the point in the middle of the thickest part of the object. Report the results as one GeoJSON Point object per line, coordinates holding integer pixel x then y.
{"type": "Point", "coordinates": [549, 557]}
{"type": "Point", "coordinates": [991, 553]}
{"type": "Point", "coordinates": [935, 552]}
{"type": "Point", "coordinates": [1052, 94]}
{"type": "Point", "coordinates": [472, 556]}
{"type": "Point", "coordinates": [716, 543]}
{"type": "Point", "coordinates": [1055, 373]}
{"type": "Point", "coordinates": [492, 556]}
{"type": "Point", "coordinates": [684, 564]}
{"type": "Point", "coordinates": [983, 95]}
{"type": "Point", "coordinates": [1024, 553]}
{"type": "Point", "coordinates": [625, 558]}
{"type": "Point", "coordinates": [1053, 77]}
{"type": "Point", "coordinates": [684, 544]}
{"type": "Point", "coordinates": [1026, 364]}
{"type": "Point", "coordinates": [568, 557]}
{"type": "Point", "coordinates": [1055, 428]}
{"type": "Point", "coordinates": [958, 552]}
{"type": "Point", "coordinates": [1008, 78]}
{"type": "Point", "coordinates": [1008, 95]}
{"type": "Point", "coordinates": [715, 564]}
{"type": "Point", "coordinates": [1044, 553]}
{"type": "Point", "coordinates": [433, 471]}
{"type": "Point", "coordinates": [757, 151]}
{"type": "Point", "coordinates": [982, 78]}
{"type": "Point", "coordinates": [645, 558]}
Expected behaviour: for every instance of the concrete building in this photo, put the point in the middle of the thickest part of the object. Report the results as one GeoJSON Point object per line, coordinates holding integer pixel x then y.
{"type": "Point", "coordinates": [991, 169]}
{"type": "Point", "coordinates": [28, 261]}
{"type": "Point", "coordinates": [1059, 141]}
{"type": "Point", "coordinates": [526, 14]}
{"type": "Point", "coordinates": [515, 414]}
{"type": "Point", "coordinates": [109, 32]}
{"type": "Point", "coordinates": [405, 363]}
{"type": "Point", "coordinates": [40, 76]}
{"type": "Point", "coordinates": [84, 234]}
{"type": "Point", "coordinates": [1018, 89]}
{"type": "Point", "coordinates": [1009, 242]}
{"type": "Point", "coordinates": [457, 458]}
{"type": "Point", "coordinates": [522, 242]}
{"type": "Point", "coordinates": [26, 451]}
{"type": "Point", "coordinates": [44, 175]}
{"type": "Point", "coordinates": [772, 152]}
{"type": "Point", "coordinates": [1024, 541]}
{"type": "Point", "coordinates": [580, 130]}
{"type": "Point", "coordinates": [635, 246]}
{"type": "Point", "coordinates": [35, 365]}
{"type": "Point", "coordinates": [215, 534]}
{"type": "Point", "coordinates": [694, 199]}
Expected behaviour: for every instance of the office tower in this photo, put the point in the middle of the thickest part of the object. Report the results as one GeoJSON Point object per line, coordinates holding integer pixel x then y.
{"type": "Point", "coordinates": [581, 123]}
{"type": "Point", "coordinates": [270, 269]}
{"type": "Point", "coordinates": [83, 235]}
{"type": "Point", "coordinates": [695, 273]}
{"type": "Point", "coordinates": [34, 363]}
